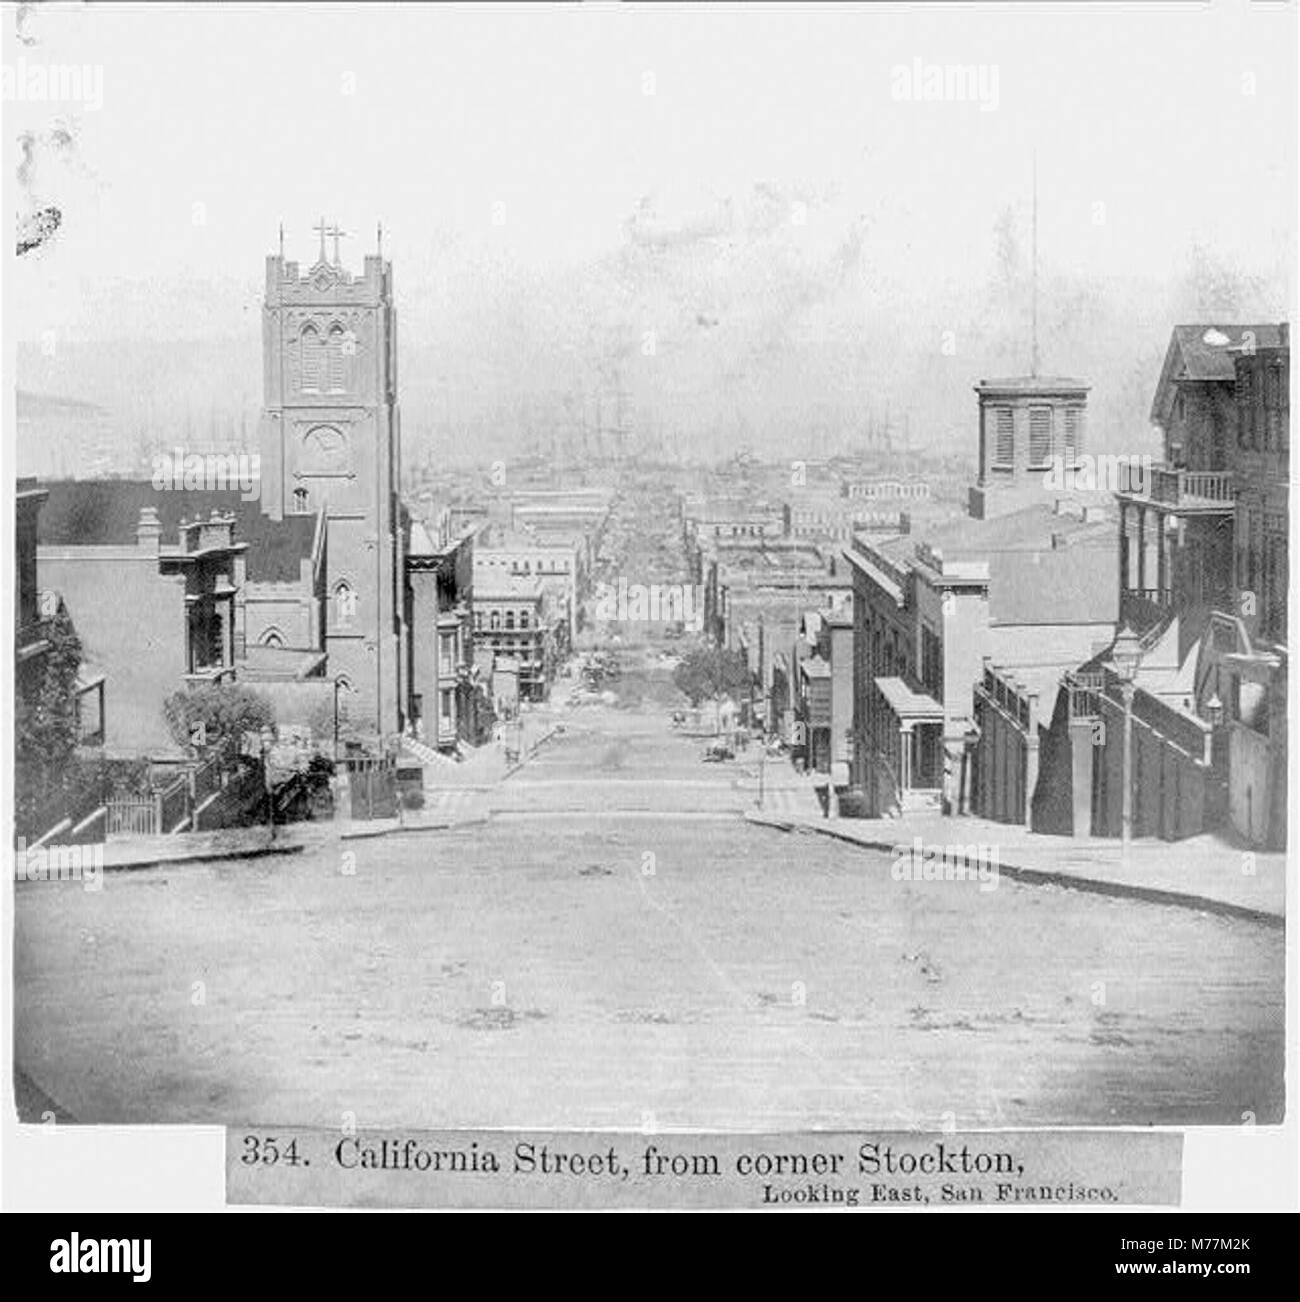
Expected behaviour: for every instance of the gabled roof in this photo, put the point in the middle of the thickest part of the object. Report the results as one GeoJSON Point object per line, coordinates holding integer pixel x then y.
{"type": "Point", "coordinates": [1205, 353]}
{"type": "Point", "coordinates": [106, 512]}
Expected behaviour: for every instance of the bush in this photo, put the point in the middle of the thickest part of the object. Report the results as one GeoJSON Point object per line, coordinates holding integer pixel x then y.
{"type": "Point", "coordinates": [215, 716]}
{"type": "Point", "coordinates": [45, 722]}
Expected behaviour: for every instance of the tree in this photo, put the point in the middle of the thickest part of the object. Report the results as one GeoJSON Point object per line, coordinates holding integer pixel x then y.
{"type": "Point", "coordinates": [216, 715]}
{"type": "Point", "coordinates": [710, 673]}
{"type": "Point", "coordinates": [45, 723]}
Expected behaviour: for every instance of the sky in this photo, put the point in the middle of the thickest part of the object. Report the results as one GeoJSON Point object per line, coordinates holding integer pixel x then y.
{"type": "Point", "coordinates": [662, 159]}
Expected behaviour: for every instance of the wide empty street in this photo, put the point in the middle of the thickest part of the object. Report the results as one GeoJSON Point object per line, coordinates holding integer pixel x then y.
{"type": "Point", "coordinates": [613, 946]}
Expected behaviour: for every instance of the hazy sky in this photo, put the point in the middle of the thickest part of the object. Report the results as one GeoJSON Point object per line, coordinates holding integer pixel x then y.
{"type": "Point", "coordinates": [515, 143]}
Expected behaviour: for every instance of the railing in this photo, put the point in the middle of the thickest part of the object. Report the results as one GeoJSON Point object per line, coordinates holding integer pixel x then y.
{"type": "Point", "coordinates": [132, 816]}
{"type": "Point", "coordinates": [171, 808]}
{"type": "Point", "coordinates": [1010, 699]}
{"type": "Point", "coordinates": [206, 780]}
{"type": "Point", "coordinates": [55, 808]}
{"type": "Point", "coordinates": [173, 804]}
{"type": "Point", "coordinates": [1178, 487]}
{"type": "Point", "coordinates": [1146, 610]}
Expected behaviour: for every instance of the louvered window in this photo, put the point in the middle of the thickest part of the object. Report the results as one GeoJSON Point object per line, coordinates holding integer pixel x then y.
{"type": "Point", "coordinates": [1073, 433]}
{"type": "Point", "coordinates": [1040, 435]}
{"type": "Point", "coordinates": [1004, 446]}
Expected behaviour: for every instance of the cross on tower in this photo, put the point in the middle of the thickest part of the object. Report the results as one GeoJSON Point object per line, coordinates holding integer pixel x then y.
{"type": "Point", "coordinates": [338, 233]}
{"type": "Point", "coordinates": [322, 230]}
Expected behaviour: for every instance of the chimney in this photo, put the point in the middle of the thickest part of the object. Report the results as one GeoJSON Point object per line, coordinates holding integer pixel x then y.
{"type": "Point", "coordinates": [148, 533]}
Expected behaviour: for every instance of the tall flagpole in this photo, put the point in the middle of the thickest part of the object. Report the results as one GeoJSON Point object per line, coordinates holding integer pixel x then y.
{"type": "Point", "coordinates": [1033, 355]}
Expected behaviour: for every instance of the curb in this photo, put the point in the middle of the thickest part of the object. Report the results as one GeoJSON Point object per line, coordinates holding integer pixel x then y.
{"type": "Point", "coordinates": [209, 856]}
{"type": "Point", "coordinates": [1048, 877]}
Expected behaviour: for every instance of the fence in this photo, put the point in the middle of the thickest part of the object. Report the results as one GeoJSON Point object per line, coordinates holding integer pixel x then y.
{"type": "Point", "coordinates": [132, 816]}
{"type": "Point", "coordinates": [372, 784]}
{"type": "Point", "coordinates": [170, 808]}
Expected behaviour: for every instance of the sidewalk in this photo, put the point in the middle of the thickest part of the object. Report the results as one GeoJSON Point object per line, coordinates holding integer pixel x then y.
{"type": "Point", "coordinates": [1203, 872]}
{"type": "Point", "coordinates": [198, 847]}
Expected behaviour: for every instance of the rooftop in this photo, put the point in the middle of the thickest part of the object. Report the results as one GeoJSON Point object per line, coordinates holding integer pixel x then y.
{"type": "Point", "coordinates": [1207, 353]}
{"type": "Point", "coordinates": [1012, 547]}
{"type": "Point", "coordinates": [106, 512]}
{"type": "Point", "coordinates": [499, 586]}
{"type": "Point", "coordinates": [1032, 384]}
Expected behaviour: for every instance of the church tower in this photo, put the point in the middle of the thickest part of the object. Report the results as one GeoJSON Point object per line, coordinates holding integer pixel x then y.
{"type": "Point", "coordinates": [330, 441]}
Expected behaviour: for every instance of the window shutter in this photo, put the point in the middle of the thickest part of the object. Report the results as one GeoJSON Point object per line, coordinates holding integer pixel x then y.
{"type": "Point", "coordinates": [1040, 435]}
{"type": "Point", "coordinates": [1004, 452]}
{"type": "Point", "coordinates": [1073, 433]}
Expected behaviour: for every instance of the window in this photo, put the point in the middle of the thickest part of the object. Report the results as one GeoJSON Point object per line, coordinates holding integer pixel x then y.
{"type": "Point", "coordinates": [495, 622]}
{"type": "Point", "coordinates": [444, 707]}
{"type": "Point", "coordinates": [1275, 408]}
{"type": "Point", "coordinates": [300, 501]}
{"type": "Point", "coordinates": [345, 604]}
{"type": "Point", "coordinates": [334, 358]}
{"type": "Point", "coordinates": [1073, 433]}
{"type": "Point", "coordinates": [1004, 440]}
{"type": "Point", "coordinates": [309, 354]}
{"type": "Point", "coordinates": [1040, 436]}
{"type": "Point", "coordinates": [1245, 406]}
{"type": "Point", "coordinates": [510, 621]}
{"type": "Point", "coordinates": [523, 619]}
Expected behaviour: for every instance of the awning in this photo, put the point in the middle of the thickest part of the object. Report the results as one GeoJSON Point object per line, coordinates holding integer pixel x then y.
{"type": "Point", "coordinates": [909, 706]}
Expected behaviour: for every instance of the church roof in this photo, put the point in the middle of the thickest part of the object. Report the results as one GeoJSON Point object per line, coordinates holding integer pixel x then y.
{"type": "Point", "coordinates": [106, 512]}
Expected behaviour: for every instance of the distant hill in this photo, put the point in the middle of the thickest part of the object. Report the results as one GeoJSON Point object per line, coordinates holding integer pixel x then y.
{"type": "Point", "coordinates": [702, 334]}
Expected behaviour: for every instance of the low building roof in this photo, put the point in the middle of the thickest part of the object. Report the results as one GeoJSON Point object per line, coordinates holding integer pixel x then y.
{"type": "Point", "coordinates": [1035, 384]}
{"type": "Point", "coordinates": [106, 512]}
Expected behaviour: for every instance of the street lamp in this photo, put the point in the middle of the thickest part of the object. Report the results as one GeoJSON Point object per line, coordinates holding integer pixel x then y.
{"type": "Point", "coordinates": [1126, 655]}
{"type": "Point", "coordinates": [1214, 710]}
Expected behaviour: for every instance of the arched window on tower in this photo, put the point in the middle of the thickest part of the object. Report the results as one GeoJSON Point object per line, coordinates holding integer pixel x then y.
{"type": "Point", "coordinates": [309, 352]}
{"type": "Point", "coordinates": [334, 359]}
{"type": "Point", "coordinates": [300, 501]}
{"type": "Point", "coordinates": [345, 604]}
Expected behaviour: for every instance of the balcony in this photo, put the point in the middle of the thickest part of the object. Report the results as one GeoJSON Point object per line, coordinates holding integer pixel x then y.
{"type": "Point", "coordinates": [1188, 491]}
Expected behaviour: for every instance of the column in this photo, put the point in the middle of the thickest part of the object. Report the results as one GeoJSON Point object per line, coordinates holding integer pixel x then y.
{"type": "Point", "coordinates": [1162, 556]}
{"type": "Point", "coordinates": [1123, 547]}
{"type": "Point", "coordinates": [1142, 549]}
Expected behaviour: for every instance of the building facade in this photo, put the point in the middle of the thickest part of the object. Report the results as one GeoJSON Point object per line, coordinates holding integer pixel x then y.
{"type": "Point", "coordinates": [330, 442]}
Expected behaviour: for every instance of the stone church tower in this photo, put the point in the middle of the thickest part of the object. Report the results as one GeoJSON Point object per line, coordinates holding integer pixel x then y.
{"type": "Point", "coordinates": [330, 440]}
